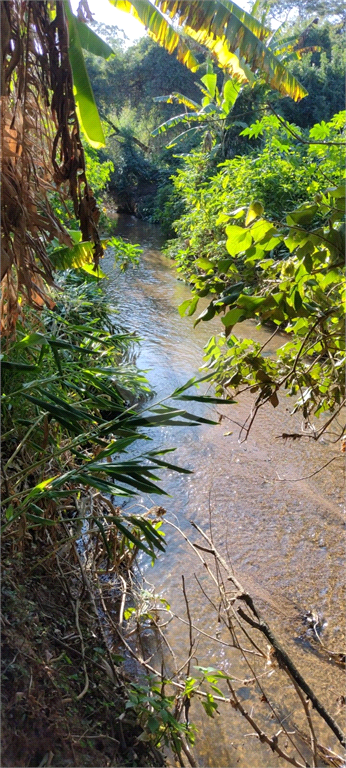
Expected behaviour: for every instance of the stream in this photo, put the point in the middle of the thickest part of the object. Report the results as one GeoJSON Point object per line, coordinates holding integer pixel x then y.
{"type": "Point", "coordinates": [283, 536]}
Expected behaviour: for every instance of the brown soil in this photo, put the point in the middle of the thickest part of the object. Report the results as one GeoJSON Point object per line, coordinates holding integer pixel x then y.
{"type": "Point", "coordinates": [44, 721]}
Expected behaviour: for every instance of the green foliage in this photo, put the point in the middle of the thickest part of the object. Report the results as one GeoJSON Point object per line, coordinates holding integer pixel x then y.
{"type": "Point", "coordinates": [156, 713]}
{"type": "Point", "coordinates": [281, 176]}
{"type": "Point", "coordinates": [285, 269]}
{"type": "Point", "coordinates": [237, 40]}
{"type": "Point", "coordinates": [322, 73]}
{"type": "Point", "coordinates": [302, 292]}
{"type": "Point", "coordinates": [125, 87]}
{"type": "Point", "coordinates": [306, 9]}
{"type": "Point", "coordinates": [80, 255]}
{"type": "Point", "coordinates": [210, 113]}
{"type": "Point", "coordinates": [81, 37]}
{"type": "Point", "coordinates": [98, 172]}
{"type": "Point", "coordinates": [70, 399]}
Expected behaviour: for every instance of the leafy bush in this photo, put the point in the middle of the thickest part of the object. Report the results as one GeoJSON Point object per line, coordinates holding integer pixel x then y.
{"type": "Point", "coordinates": [301, 291]}
{"type": "Point", "coordinates": [283, 174]}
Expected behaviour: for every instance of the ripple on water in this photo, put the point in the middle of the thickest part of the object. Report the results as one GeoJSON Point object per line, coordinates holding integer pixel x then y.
{"type": "Point", "coordinates": [285, 539]}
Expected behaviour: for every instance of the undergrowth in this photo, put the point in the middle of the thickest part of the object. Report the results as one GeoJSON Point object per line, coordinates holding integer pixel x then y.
{"type": "Point", "coordinates": [73, 401]}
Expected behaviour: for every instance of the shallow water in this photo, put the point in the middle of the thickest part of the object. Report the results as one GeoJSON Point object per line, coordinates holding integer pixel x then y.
{"type": "Point", "coordinates": [284, 536]}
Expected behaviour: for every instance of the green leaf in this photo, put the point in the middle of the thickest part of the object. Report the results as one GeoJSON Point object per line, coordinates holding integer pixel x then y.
{"type": "Point", "coordinates": [80, 255]}
{"type": "Point", "coordinates": [302, 215]}
{"type": "Point", "coordinates": [207, 314]}
{"type": "Point", "coordinates": [159, 29]}
{"type": "Point", "coordinates": [210, 83]}
{"type": "Point", "coordinates": [255, 210]}
{"type": "Point", "coordinates": [12, 366]}
{"type": "Point", "coordinates": [30, 340]}
{"type": "Point", "coordinates": [231, 33]}
{"type": "Point", "coordinates": [204, 263]}
{"type": "Point", "coordinates": [96, 274]}
{"type": "Point", "coordinates": [150, 534]}
{"type": "Point", "coordinates": [230, 94]}
{"type": "Point", "coordinates": [129, 535]}
{"type": "Point", "coordinates": [153, 724]}
{"type": "Point", "coordinates": [92, 42]}
{"type": "Point", "coordinates": [209, 705]}
{"type": "Point", "coordinates": [232, 317]}
{"type": "Point", "coordinates": [250, 303]}
{"type": "Point", "coordinates": [38, 519]}
{"type": "Point", "coordinates": [239, 239]}
{"type": "Point", "coordinates": [223, 265]}
{"type": "Point", "coordinates": [180, 99]}
{"type": "Point", "coordinates": [337, 192]}
{"type": "Point", "coordinates": [85, 103]}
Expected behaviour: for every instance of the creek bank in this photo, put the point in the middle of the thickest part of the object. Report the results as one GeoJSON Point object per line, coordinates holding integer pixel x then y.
{"type": "Point", "coordinates": [66, 698]}
{"type": "Point", "coordinates": [53, 651]}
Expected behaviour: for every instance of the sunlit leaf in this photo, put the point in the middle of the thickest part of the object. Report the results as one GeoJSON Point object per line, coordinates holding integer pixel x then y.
{"type": "Point", "coordinates": [85, 103]}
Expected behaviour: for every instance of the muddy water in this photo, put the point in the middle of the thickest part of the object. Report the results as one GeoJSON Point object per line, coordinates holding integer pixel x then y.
{"type": "Point", "coordinates": [284, 536]}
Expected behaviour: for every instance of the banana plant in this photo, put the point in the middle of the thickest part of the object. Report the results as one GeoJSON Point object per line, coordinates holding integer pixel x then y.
{"type": "Point", "coordinates": [238, 41]}
{"type": "Point", "coordinates": [214, 107]}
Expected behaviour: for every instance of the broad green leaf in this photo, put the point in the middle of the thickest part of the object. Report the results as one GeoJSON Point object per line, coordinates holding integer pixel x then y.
{"type": "Point", "coordinates": [204, 263]}
{"type": "Point", "coordinates": [92, 42]}
{"type": "Point", "coordinates": [188, 307]}
{"type": "Point", "coordinates": [261, 228]}
{"type": "Point", "coordinates": [255, 210]}
{"type": "Point", "coordinates": [337, 192]}
{"type": "Point", "coordinates": [239, 239]}
{"type": "Point", "coordinates": [31, 340]}
{"type": "Point", "coordinates": [80, 255]}
{"type": "Point", "coordinates": [85, 103]}
{"type": "Point", "coordinates": [302, 215]}
{"type": "Point", "coordinates": [223, 265]}
{"type": "Point", "coordinates": [232, 317]}
{"type": "Point", "coordinates": [230, 94]}
{"type": "Point", "coordinates": [207, 314]}
{"type": "Point", "coordinates": [210, 84]}
{"type": "Point", "coordinates": [97, 274]}
{"type": "Point", "coordinates": [250, 303]}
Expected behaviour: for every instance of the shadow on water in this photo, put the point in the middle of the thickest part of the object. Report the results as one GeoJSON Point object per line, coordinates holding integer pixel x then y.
{"type": "Point", "coordinates": [285, 539]}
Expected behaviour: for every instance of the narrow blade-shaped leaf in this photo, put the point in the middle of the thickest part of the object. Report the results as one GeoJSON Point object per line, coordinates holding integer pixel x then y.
{"type": "Point", "coordinates": [85, 103]}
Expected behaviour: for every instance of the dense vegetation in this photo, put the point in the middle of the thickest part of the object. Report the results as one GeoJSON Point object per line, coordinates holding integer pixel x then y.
{"type": "Point", "coordinates": [250, 189]}
{"type": "Point", "coordinates": [128, 88]}
{"type": "Point", "coordinates": [265, 239]}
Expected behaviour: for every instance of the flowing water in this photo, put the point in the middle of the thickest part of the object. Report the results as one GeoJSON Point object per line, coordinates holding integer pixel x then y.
{"type": "Point", "coordinates": [284, 536]}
